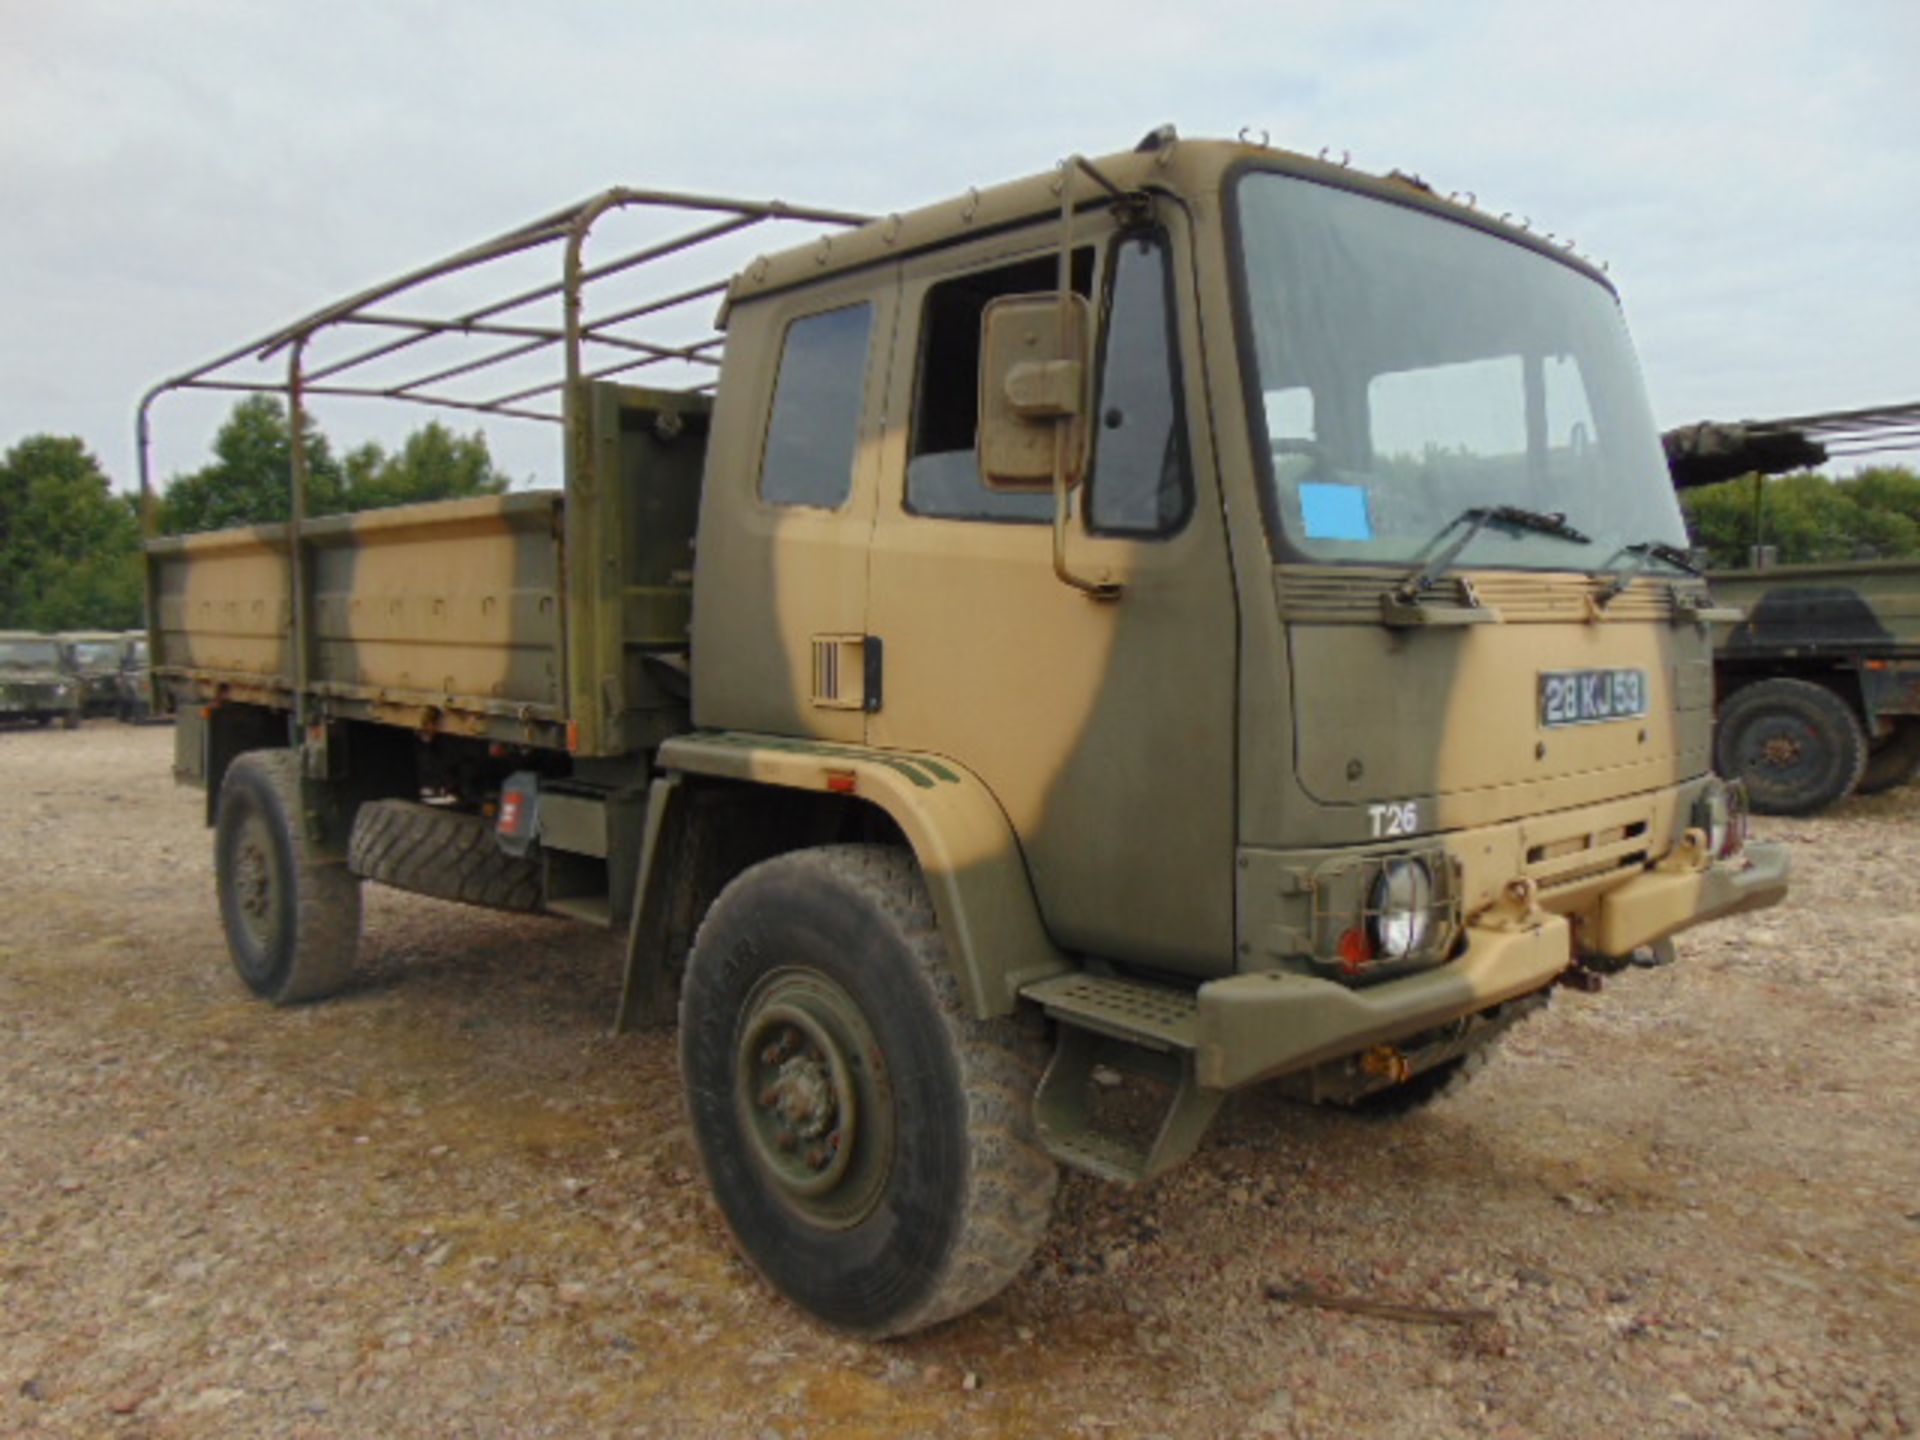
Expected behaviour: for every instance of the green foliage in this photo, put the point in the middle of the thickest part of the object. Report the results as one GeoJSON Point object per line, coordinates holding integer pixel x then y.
{"type": "Point", "coordinates": [69, 547]}
{"type": "Point", "coordinates": [1807, 517]}
{"type": "Point", "coordinates": [249, 481]}
{"type": "Point", "coordinates": [432, 464]}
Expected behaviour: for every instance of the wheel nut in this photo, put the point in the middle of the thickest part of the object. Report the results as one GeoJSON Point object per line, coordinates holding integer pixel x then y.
{"type": "Point", "coordinates": [817, 1157]}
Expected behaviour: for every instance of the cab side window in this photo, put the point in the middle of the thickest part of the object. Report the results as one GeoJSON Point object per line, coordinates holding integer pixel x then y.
{"type": "Point", "coordinates": [815, 425]}
{"type": "Point", "coordinates": [1140, 482]}
{"type": "Point", "coordinates": [943, 469]}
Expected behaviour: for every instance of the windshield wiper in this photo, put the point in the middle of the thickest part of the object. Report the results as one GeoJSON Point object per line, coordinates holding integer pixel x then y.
{"type": "Point", "coordinates": [1511, 517]}
{"type": "Point", "coordinates": [1642, 552]}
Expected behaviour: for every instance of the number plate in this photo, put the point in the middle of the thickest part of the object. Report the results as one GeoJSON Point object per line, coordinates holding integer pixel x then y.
{"type": "Point", "coordinates": [1589, 697]}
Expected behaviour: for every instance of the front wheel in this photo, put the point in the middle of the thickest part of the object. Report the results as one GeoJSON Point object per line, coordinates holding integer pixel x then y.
{"type": "Point", "coordinates": [1797, 745]}
{"type": "Point", "coordinates": [869, 1143]}
{"type": "Point", "coordinates": [292, 917]}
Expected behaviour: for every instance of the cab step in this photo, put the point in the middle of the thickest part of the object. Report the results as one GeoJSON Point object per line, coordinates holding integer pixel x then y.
{"type": "Point", "coordinates": [1148, 1032]}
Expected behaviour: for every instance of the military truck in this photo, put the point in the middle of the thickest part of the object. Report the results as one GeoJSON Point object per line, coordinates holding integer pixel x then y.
{"type": "Point", "coordinates": [93, 660]}
{"type": "Point", "coordinates": [1818, 668]}
{"type": "Point", "coordinates": [33, 685]}
{"type": "Point", "coordinates": [133, 685]}
{"type": "Point", "coordinates": [1820, 682]}
{"type": "Point", "coordinates": [1200, 613]}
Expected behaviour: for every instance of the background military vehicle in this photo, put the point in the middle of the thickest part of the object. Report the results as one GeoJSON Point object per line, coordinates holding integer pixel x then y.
{"type": "Point", "coordinates": [34, 684]}
{"type": "Point", "coordinates": [93, 659]}
{"type": "Point", "coordinates": [134, 683]}
{"type": "Point", "coordinates": [1202, 612]}
{"type": "Point", "coordinates": [1819, 677]}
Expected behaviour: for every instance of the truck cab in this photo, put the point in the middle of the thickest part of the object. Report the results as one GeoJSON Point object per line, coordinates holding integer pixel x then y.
{"type": "Point", "coordinates": [1382, 669]}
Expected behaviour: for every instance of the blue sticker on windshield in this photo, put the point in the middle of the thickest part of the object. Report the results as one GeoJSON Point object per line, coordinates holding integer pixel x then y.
{"type": "Point", "coordinates": [1335, 512]}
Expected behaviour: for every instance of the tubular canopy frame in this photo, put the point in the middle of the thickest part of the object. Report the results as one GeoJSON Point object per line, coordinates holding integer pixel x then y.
{"type": "Point", "coordinates": [592, 347]}
{"type": "Point", "coordinates": [610, 334]}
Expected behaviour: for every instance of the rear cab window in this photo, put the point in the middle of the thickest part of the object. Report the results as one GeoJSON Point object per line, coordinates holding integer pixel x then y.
{"type": "Point", "coordinates": [813, 430]}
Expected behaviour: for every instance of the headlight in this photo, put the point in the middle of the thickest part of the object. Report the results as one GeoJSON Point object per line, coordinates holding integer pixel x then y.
{"type": "Point", "coordinates": [60, 692]}
{"type": "Point", "coordinates": [1400, 909]}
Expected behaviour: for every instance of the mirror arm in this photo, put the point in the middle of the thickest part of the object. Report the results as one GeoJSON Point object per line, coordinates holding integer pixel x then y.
{"type": "Point", "coordinates": [1102, 588]}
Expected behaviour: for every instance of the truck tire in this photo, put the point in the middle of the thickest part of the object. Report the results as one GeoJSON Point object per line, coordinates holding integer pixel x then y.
{"type": "Point", "coordinates": [292, 917]}
{"type": "Point", "coordinates": [449, 854]}
{"type": "Point", "coordinates": [869, 1143]}
{"type": "Point", "coordinates": [1893, 760]}
{"type": "Point", "coordinates": [1797, 745]}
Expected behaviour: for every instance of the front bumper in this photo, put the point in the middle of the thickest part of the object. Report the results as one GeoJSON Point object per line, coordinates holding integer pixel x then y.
{"type": "Point", "coordinates": [1659, 903]}
{"type": "Point", "coordinates": [1256, 1026]}
{"type": "Point", "coordinates": [1263, 1024]}
{"type": "Point", "coordinates": [34, 706]}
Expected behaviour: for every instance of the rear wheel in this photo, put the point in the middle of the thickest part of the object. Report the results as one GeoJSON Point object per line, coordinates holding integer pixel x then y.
{"type": "Point", "coordinates": [1893, 760]}
{"type": "Point", "coordinates": [1797, 745]}
{"type": "Point", "coordinates": [869, 1143]}
{"type": "Point", "coordinates": [292, 917]}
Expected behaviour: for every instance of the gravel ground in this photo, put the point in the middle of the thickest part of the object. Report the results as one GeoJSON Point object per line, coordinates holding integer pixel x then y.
{"type": "Point", "coordinates": [451, 1204]}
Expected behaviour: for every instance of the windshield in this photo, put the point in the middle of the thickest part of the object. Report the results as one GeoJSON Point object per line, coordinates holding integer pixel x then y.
{"type": "Point", "coordinates": [29, 654]}
{"type": "Point", "coordinates": [96, 652]}
{"type": "Point", "coordinates": [1410, 367]}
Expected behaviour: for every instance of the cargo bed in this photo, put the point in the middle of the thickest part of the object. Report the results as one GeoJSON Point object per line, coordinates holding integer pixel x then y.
{"type": "Point", "coordinates": [1861, 607]}
{"type": "Point", "coordinates": [485, 617]}
{"type": "Point", "coordinates": [437, 616]}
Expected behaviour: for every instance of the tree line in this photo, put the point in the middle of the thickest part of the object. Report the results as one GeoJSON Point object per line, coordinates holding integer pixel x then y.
{"type": "Point", "coordinates": [1807, 518]}
{"type": "Point", "coordinates": [70, 545]}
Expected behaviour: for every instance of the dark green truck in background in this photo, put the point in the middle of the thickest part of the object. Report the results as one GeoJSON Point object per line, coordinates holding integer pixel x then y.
{"type": "Point", "coordinates": [1818, 682]}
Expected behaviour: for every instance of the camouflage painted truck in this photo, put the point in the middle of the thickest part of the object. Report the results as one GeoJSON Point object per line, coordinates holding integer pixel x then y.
{"type": "Point", "coordinates": [1200, 613]}
{"type": "Point", "coordinates": [1818, 671]}
{"type": "Point", "coordinates": [93, 661]}
{"type": "Point", "coordinates": [34, 685]}
{"type": "Point", "coordinates": [1820, 681]}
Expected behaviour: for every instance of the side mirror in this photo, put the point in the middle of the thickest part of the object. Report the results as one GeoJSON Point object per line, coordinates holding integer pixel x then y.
{"type": "Point", "coordinates": [1033, 380]}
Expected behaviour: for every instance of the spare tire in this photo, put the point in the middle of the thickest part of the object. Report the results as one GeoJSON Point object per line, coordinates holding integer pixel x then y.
{"type": "Point", "coordinates": [439, 851]}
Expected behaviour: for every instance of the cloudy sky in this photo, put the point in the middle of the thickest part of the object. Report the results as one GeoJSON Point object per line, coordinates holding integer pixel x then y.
{"type": "Point", "coordinates": [180, 177]}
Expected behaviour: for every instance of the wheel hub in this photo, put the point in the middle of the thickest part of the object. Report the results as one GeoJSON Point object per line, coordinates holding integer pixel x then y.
{"type": "Point", "coordinates": [1780, 750]}
{"type": "Point", "coordinates": [803, 1096]}
{"type": "Point", "coordinates": [812, 1097]}
{"type": "Point", "coordinates": [253, 884]}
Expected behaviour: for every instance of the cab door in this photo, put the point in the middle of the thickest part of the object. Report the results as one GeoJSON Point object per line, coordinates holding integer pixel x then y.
{"type": "Point", "coordinates": [780, 591]}
{"type": "Point", "coordinates": [1105, 727]}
